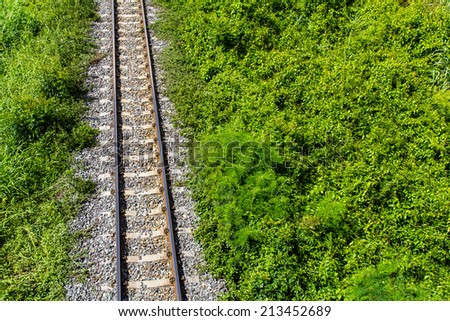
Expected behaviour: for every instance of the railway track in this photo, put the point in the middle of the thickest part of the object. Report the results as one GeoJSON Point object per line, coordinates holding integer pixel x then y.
{"type": "Point", "coordinates": [145, 247]}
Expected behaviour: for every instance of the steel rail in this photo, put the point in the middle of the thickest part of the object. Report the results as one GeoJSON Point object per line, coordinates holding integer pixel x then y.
{"type": "Point", "coordinates": [162, 161]}
{"type": "Point", "coordinates": [116, 161]}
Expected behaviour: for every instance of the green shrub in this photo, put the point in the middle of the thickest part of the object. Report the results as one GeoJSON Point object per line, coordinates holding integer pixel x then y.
{"type": "Point", "coordinates": [44, 50]}
{"type": "Point", "coordinates": [354, 96]}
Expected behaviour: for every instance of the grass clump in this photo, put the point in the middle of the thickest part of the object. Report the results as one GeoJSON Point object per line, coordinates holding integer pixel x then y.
{"type": "Point", "coordinates": [44, 52]}
{"type": "Point", "coordinates": [351, 101]}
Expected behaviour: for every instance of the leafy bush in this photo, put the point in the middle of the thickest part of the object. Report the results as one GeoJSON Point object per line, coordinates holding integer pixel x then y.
{"type": "Point", "coordinates": [354, 96]}
{"type": "Point", "coordinates": [44, 51]}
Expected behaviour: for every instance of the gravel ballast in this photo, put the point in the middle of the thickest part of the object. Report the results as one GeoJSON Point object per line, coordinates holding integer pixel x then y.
{"type": "Point", "coordinates": [95, 252]}
{"type": "Point", "coordinates": [199, 285]}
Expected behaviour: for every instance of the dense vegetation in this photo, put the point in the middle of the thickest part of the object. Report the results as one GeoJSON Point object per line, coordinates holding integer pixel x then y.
{"type": "Point", "coordinates": [351, 100]}
{"type": "Point", "coordinates": [44, 50]}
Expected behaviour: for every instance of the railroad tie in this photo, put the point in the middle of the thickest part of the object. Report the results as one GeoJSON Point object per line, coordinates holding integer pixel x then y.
{"type": "Point", "coordinates": [149, 284]}
{"type": "Point", "coordinates": [146, 258]}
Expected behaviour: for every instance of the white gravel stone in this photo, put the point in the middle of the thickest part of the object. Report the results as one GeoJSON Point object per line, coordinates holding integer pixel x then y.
{"type": "Point", "coordinates": [198, 283]}
{"type": "Point", "coordinates": [95, 252]}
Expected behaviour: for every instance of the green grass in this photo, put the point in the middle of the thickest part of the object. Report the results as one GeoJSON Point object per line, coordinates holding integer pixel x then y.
{"type": "Point", "coordinates": [352, 99]}
{"type": "Point", "coordinates": [44, 52]}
